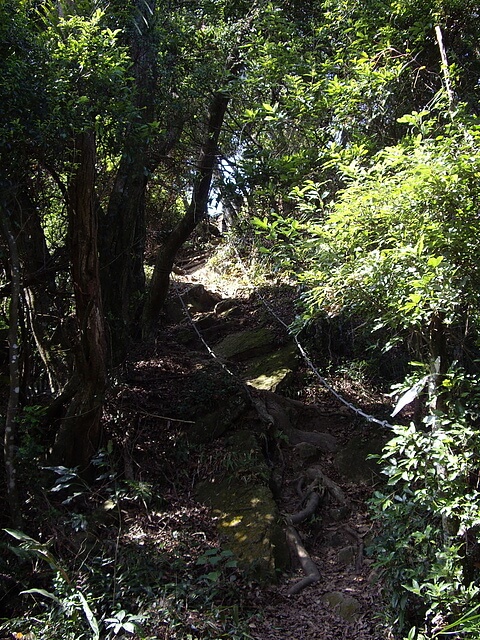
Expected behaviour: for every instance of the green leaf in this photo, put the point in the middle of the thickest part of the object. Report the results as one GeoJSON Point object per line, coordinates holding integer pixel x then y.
{"type": "Point", "coordinates": [434, 262]}
{"type": "Point", "coordinates": [261, 223]}
{"type": "Point", "coordinates": [92, 621]}
{"type": "Point", "coordinates": [213, 576]}
{"type": "Point", "coordinates": [19, 535]}
{"type": "Point", "coordinates": [42, 592]}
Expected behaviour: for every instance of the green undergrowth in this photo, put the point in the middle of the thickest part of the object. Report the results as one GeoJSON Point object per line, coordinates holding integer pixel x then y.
{"type": "Point", "coordinates": [427, 547]}
{"type": "Point", "coordinates": [117, 559]}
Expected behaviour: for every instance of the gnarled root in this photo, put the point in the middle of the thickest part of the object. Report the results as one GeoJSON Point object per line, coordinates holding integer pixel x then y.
{"type": "Point", "coordinates": [315, 474]}
{"type": "Point", "coordinates": [309, 509]}
{"type": "Point", "coordinates": [308, 566]}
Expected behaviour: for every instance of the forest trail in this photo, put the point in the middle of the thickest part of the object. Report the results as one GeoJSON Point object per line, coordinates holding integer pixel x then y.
{"type": "Point", "coordinates": [346, 602]}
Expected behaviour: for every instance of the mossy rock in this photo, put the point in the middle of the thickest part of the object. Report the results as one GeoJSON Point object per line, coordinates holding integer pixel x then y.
{"type": "Point", "coordinates": [244, 345]}
{"type": "Point", "coordinates": [246, 512]}
{"type": "Point", "coordinates": [197, 299]}
{"type": "Point", "coordinates": [248, 518]}
{"type": "Point", "coordinates": [345, 606]}
{"type": "Point", "coordinates": [269, 371]}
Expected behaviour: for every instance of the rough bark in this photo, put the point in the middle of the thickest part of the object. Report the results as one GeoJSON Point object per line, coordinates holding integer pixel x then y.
{"type": "Point", "coordinates": [195, 213]}
{"type": "Point", "coordinates": [80, 432]}
{"type": "Point", "coordinates": [122, 226]}
{"type": "Point", "coordinates": [122, 247]}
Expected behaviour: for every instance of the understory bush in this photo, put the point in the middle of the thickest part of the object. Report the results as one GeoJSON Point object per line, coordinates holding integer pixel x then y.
{"type": "Point", "coordinates": [427, 548]}
{"type": "Point", "coordinates": [426, 519]}
{"type": "Point", "coordinates": [398, 250]}
{"type": "Point", "coordinates": [91, 575]}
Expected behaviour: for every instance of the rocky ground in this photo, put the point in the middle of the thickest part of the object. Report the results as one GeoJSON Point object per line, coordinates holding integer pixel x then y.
{"type": "Point", "coordinates": [156, 391]}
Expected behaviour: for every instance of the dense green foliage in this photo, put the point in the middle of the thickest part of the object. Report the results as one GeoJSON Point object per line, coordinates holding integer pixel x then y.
{"type": "Point", "coordinates": [398, 251]}
{"type": "Point", "coordinates": [351, 152]}
{"type": "Point", "coordinates": [383, 232]}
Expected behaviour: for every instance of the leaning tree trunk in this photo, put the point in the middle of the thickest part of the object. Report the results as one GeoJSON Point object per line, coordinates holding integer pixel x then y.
{"type": "Point", "coordinates": [196, 211]}
{"type": "Point", "coordinates": [79, 435]}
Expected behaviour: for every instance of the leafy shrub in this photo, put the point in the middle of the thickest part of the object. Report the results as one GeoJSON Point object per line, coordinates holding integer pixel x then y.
{"type": "Point", "coordinates": [428, 517]}
{"type": "Point", "coordinates": [399, 249]}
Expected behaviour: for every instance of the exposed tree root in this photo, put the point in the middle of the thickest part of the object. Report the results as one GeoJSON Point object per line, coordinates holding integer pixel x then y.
{"type": "Point", "coordinates": [316, 474]}
{"type": "Point", "coordinates": [308, 566]}
{"type": "Point", "coordinates": [323, 441]}
{"type": "Point", "coordinates": [307, 511]}
{"type": "Point", "coordinates": [272, 411]}
{"type": "Point", "coordinates": [302, 406]}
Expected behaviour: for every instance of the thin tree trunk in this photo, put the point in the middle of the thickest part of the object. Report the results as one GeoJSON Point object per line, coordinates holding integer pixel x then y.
{"type": "Point", "coordinates": [438, 363]}
{"type": "Point", "coordinates": [40, 291]}
{"type": "Point", "coordinates": [195, 213]}
{"type": "Point", "coordinates": [438, 369]}
{"type": "Point", "coordinates": [446, 71]}
{"type": "Point", "coordinates": [12, 407]}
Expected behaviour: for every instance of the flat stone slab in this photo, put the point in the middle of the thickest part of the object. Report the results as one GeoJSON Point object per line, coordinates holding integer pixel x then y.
{"type": "Point", "coordinates": [269, 371]}
{"type": "Point", "coordinates": [248, 518]}
{"type": "Point", "coordinates": [247, 515]}
{"type": "Point", "coordinates": [244, 345]}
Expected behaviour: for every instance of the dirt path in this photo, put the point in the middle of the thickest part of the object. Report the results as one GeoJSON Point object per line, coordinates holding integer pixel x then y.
{"type": "Point", "coordinates": [346, 602]}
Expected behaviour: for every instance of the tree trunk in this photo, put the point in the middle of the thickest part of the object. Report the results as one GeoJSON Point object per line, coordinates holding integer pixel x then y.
{"type": "Point", "coordinates": [438, 362]}
{"type": "Point", "coordinates": [122, 249]}
{"type": "Point", "coordinates": [195, 213]}
{"type": "Point", "coordinates": [79, 435]}
{"type": "Point", "coordinates": [122, 234]}
{"type": "Point", "coordinates": [122, 238]}
{"type": "Point", "coordinates": [9, 434]}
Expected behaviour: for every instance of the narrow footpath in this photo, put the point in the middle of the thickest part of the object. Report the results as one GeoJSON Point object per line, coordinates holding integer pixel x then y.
{"type": "Point", "coordinates": [165, 386]}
